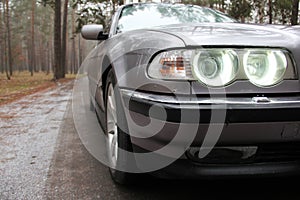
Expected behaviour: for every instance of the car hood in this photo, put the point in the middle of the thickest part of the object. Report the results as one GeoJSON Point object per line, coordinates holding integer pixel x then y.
{"type": "Point", "coordinates": [234, 34]}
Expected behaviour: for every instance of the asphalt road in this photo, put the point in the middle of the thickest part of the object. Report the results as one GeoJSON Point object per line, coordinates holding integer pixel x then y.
{"type": "Point", "coordinates": [75, 174]}
{"type": "Point", "coordinates": [57, 165]}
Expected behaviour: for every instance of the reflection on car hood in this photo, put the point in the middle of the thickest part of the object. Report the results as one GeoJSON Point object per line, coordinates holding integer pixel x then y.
{"type": "Point", "coordinates": [234, 34]}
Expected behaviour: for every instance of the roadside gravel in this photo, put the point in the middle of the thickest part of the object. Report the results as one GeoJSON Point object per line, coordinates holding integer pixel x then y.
{"type": "Point", "coordinates": [28, 133]}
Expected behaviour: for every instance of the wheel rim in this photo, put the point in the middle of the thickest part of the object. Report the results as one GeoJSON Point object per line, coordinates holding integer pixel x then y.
{"type": "Point", "coordinates": [112, 128]}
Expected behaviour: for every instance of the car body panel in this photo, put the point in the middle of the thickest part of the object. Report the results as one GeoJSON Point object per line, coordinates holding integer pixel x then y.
{"type": "Point", "coordinates": [138, 47]}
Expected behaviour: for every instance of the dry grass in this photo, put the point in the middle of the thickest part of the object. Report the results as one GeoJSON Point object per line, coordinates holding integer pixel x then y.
{"type": "Point", "coordinates": [22, 84]}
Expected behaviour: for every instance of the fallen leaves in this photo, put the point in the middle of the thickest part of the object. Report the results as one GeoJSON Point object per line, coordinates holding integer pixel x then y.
{"type": "Point", "coordinates": [23, 84]}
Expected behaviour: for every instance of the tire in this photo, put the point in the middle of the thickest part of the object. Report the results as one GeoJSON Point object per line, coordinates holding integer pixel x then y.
{"type": "Point", "coordinates": [116, 138]}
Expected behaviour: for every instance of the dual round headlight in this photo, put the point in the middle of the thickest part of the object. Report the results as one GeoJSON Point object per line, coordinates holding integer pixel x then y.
{"type": "Point", "coordinates": [262, 67]}
{"type": "Point", "coordinates": [215, 67]}
{"type": "Point", "coordinates": [218, 67]}
{"type": "Point", "coordinates": [265, 68]}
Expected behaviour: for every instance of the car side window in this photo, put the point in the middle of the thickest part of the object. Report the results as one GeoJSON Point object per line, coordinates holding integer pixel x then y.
{"type": "Point", "coordinates": [114, 23]}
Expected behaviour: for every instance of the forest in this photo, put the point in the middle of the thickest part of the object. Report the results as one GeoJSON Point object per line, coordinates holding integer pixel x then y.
{"type": "Point", "coordinates": [43, 35]}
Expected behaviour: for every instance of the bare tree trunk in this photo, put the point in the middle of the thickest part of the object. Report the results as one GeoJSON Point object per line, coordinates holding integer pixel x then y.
{"type": "Point", "coordinates": [10, 64]}
{"type": "Point", "coordinates": [33, 61]}
{"type": "Point", "coordinates": [47, 58]}
{"type": "Point", "coordinates": [223, 6]}
{"type": "Point", "coordinates": [64, 39]}
{"type": "Point", "coordinates": [73, 52]}
{"type": "Point", "coordinates": [270, 12]}
{"type": "Point", "coordinates": [261, 12]}
{"type": "Point", "coordinates": [29, 53]}
{"type": "Point", "coordinates": [243, 19]}
{"type": "Point", "coordinates": [26, 67]}
{"type": "Point", "coordinates": [211, 4]}
{"type": "Point", "coordinates": [76, 52]}
{"type": "Point", "coordinates": [79, 51]}
{"type": "Point", "coordinates": [113, 6]}
{"type": "Point", "coordinates": [41, 57]}
{"type": "Point", "coordinates": [1, 52]}
{"type": "Point", "coordinates": [1, 42]}
{"type": "Point", "coordinates": [283, 16]}
{"type": "Point", "coordinates": [57, 40]}
{"type": "Point", "coordinates": [5, 44]}
{"type": "Point", "coordinates": [295, 12]}
{"type": "Point", "coordinates": [72, 63]}
{"type": "Point", "coordinates": [6, 62]}
{"type": "Point", "coordinates": [51, 51]}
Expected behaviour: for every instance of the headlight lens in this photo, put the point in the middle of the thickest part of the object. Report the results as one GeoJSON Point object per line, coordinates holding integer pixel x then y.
{"type": "Point", "coordinates": [218, 67]}
{"type": "Point", "coordinates": [215, 67]}
{"type": "Point", "coordinates": [265, 67]}
{"type": "Point", "coordinates": [172, 65]}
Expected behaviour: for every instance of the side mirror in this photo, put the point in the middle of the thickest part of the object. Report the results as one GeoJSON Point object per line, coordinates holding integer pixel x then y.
{"type": "Point", "coordinates": [93, 32]}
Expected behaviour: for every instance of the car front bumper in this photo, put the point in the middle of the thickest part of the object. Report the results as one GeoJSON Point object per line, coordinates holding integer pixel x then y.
{"type": "Point", "coordinates": [183, 169]}
{"type": "Point", "coordinates": [246, 122]}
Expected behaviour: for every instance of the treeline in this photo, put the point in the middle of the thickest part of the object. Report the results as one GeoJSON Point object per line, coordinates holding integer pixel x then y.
{"type": "Point", "coordinates": [27, 38]}
{"type": "Point", "coordinates": [256, 11]}
{"type": "Point", "coordinates": [42, 35]}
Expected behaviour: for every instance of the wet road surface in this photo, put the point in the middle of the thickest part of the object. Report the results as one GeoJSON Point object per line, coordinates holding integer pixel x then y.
{"type": "Point", "coordinates": [42, 157]}
{"type": "Point", "coordinates": [28, 134]}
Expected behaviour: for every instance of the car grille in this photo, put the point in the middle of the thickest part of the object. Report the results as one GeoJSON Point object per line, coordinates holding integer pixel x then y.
{"type": "Point", "coordinates": [278, 152]}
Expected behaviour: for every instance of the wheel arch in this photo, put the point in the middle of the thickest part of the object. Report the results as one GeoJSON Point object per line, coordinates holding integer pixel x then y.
{"type": "Point", "coordinates": [106, 67]}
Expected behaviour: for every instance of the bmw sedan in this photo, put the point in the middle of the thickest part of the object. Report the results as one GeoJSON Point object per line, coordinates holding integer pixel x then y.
{"type": "Point", "coordinates": [183, 91]}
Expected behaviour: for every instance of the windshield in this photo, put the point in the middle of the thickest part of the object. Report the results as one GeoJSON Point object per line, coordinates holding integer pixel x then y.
{"type": "Point", "coordinates": [139, 16]}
